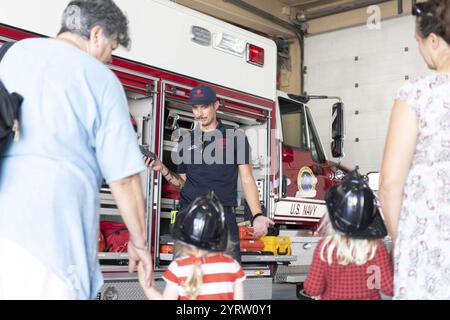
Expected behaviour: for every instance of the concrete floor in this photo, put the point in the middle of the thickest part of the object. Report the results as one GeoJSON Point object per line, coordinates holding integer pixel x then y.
{"type": "Point", "coordinates": [287, 291]}
{"type": "Point", "coordinates": [284, 291]}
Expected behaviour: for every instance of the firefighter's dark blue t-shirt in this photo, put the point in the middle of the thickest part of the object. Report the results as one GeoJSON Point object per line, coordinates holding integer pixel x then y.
{"type": "Point", "coordinates": [210, 161]}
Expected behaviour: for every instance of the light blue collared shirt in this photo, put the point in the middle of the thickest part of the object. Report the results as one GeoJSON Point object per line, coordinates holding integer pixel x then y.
{"type": "Point", "coordinates": [75, 129]}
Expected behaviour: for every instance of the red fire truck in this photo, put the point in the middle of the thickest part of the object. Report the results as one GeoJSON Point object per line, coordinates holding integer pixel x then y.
{"type": "Point", "coordinates": [174, 49]}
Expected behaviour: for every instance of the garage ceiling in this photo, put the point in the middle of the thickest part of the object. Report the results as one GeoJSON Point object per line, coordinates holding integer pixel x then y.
{"type": "Point", "coordinates": [277, 17]}
{"type": "Point", "coordinates": [313, 9]}
{"type": "Point", "coordinates": [311, 4]}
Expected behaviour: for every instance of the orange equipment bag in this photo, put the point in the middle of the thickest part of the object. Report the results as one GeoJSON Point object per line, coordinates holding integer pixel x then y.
{"type": "Point", "coordinates": [245, 233]}
{"type": "Point", "coordinates": [251, 245]}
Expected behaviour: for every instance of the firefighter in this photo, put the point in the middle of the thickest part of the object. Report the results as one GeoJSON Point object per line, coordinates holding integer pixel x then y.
{"type": "Point", "coordinates": [210, 158]}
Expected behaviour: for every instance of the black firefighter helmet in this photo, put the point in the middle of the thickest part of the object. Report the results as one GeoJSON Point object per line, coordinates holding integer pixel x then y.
{"type": "Point", "coordinates": [202, 224]}
{"type": "Point", "coordinates": [353, 210]}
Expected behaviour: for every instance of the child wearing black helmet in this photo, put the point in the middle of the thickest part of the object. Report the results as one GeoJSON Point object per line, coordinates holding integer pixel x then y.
{"type": "Point", "coordinates": [202, 272]}
{"type": "Point", "coordinates": [351, 262]}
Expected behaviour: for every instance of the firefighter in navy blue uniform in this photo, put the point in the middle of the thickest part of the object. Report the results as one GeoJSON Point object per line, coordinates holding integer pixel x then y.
{"type": "Point", "coordinates": [211, 157]}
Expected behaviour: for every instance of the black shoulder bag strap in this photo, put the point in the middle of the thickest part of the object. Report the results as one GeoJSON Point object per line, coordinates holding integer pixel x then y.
{"type": "Point", "coordinates": [9, 114]}
{"type": "Point", "coordinates": [4, 48]}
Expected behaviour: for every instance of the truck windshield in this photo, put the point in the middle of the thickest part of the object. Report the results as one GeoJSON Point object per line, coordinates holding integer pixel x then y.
{"type": "Point", "coordinates": [294, 124]}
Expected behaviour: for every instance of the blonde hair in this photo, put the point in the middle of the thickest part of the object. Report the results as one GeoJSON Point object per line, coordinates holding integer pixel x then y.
{"type": "Point", "coordinates": [193, 282]}
{"type": "Point", "coordinates": [348, 250]}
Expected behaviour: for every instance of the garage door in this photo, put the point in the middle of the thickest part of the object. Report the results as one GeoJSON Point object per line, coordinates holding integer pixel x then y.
{"type": "Point", "coordinates": [365, 68]}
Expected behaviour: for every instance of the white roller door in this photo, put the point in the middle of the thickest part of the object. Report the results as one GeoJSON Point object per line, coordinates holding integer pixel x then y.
{"type": "Point", "coordinates": [365, 68]}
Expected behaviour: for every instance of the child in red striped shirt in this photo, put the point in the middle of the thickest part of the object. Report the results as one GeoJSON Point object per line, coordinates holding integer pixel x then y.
{"type": "Point", "coordinates": [202, 272]}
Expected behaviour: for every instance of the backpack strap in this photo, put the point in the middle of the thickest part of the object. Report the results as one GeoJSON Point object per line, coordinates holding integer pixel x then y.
{"type": "Point", "coordinates": [4, 48]}
{"type": "Point", "coordinates": [16, 98]}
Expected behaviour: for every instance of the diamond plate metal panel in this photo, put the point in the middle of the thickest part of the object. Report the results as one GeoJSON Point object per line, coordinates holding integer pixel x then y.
{"type": "Point", "coordinates": [283, 272]}
{"type": "Point", "coordinates": [254, 289]}
{"type": "Point", "coordinates": [122, 290]}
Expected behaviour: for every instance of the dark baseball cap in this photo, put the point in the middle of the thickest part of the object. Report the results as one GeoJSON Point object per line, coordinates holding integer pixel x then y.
{"type": "Point", "coordinates": [202, 95]}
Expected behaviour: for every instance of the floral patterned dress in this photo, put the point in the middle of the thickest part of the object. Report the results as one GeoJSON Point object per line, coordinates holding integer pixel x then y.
{"type": "Point", "coordinates": [422, 254]}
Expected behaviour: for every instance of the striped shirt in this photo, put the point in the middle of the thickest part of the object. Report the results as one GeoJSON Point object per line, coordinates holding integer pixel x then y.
{"type": "Point", "coordinates": [220, 274]}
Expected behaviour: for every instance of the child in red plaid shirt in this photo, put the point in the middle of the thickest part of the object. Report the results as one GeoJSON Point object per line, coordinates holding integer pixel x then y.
{"type": "Point", "coordinates": [351, 262]}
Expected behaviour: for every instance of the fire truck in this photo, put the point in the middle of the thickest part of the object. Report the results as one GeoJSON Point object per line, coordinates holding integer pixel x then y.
{"type": "Point", "coordinates": [173, 50]}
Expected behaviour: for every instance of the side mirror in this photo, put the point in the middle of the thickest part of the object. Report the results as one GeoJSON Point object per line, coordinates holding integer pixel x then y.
{"type": "Point", "coordinates": [337, 130]}
{"type": "Point", "coordinates": [337, 148]}
{"type": "Point", "coordinates": [373, 179]}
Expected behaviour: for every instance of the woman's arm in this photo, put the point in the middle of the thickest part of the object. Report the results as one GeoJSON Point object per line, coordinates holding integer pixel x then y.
{"type": "Point", "coordinates": [398, 155]}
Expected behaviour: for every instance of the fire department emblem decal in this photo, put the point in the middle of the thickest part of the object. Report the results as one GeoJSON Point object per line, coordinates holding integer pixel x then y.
{"type": "Point", "coordinates": [306, 183]}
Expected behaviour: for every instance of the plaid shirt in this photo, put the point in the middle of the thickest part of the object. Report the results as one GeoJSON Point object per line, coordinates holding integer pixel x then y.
{"type": "Point", "coordinates": [352, 282]}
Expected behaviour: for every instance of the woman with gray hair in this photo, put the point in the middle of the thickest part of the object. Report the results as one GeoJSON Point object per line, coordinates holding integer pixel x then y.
{"type": "Point", "coordinates": [415, 174]}
{"type": "Point", "coordinates": [95, 26]}
{"type": "Point", "coordinates": [75, 129]}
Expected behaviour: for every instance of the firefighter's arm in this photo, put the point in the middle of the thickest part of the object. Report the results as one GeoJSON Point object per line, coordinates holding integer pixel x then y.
{"type": "Point", "coordinates": [175, 179]}
{"type": "Point", "coordinates": [129, 197]}
{"type": "Point", "coordinates": [260, 222]}
{"type": "Point", "coordinates": [398, 155]}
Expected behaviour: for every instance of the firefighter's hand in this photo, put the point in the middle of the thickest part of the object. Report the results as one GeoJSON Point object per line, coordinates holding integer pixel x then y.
{"type": "Point", "coordinates": [156, 164]}
{"type": "Point", "coordinates": [260, 226]}
{"type": "Point", "coordinates": [140, 255]}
